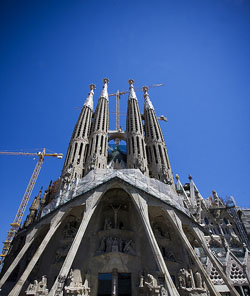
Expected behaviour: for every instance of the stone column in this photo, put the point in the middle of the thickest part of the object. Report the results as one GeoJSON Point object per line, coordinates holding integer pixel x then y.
{"type": "Point", "coordinates": [55, 223]}
{"type": "Point", "coordinates": [58, 285]}
{"type": "Point", "coordinates": [142, 208]}
{"type": "Point", "coordinates": [200, 238]}
{"type": "Point", "coordinates": [114, 282]}
{"type": "Point", "coordinates": [176, 223]}
{"type": "Point", "coordinates": [29, 240]}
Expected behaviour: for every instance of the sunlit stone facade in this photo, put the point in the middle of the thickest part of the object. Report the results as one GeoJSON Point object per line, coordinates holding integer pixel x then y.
{"type": "Point", "coordinates": [116, 223]}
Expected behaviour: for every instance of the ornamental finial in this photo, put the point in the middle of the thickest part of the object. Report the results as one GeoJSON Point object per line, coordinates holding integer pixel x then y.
{"type": "Point", "coordinates": [92, 86]}
{"type": "Point", "coordinates": [131, 82]}
{"type": "Point", "coordinates": [104, 93]}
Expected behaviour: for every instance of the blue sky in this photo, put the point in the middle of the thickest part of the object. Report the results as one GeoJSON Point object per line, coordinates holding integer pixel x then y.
{"type": "Point", "coordinates": [50, 51]}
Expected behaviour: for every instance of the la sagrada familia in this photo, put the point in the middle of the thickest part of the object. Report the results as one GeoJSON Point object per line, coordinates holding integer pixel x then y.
{"type": "Point", "coordinates": [117, 223]}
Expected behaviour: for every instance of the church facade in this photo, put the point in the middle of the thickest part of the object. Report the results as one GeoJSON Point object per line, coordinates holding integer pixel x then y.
{"type": "Point", "coordinates": [116, 222]}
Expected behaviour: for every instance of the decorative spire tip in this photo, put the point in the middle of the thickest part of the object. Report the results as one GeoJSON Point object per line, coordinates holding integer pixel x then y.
{"type": "Point", "coordinates": [131, 81]}
{"type": "Point", "coordinates": [105, 80]}
{"type": "Point", "coordinates": [92, 86]}
{"type": "Point", "coordinates": [190, 177]}
{"type": "Point", "coordinates": [177, 177]}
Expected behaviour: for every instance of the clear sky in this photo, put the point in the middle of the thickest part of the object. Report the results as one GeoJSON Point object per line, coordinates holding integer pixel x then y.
{"type": "Point", "coordinates": [50, 51]}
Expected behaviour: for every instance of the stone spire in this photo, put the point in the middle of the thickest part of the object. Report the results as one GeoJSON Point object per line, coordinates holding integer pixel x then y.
{"type": "Point", "coordinates": [158, 161]}
{"type": "Point", "coordinates": [98, 147]}
{"type": "Point", "coordinates": [136, 152]}
{"type": "Point", "coordinates": [33, 209]}
{"type": "Point", "coordinates": [74, 165]}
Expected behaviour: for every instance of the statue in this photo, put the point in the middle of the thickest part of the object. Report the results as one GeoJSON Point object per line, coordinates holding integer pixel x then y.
{"type": "Point", "coordinates": [33, 210]}
{"type": "Point", "coordinates": [141, 285]}
{"type": "Point", "coordinates": [92, 162]}
{"type": "Point", "coordinates": [140, 164]}
{"type": "Point", "coordinates": [151, 283]}
{"type": "Point", "coordinates": [38, 288]}
{"type": "Point", "coordinates": [235, 241]}
{"type": "Point", "coordinates": [74, 284]}
{"type": "Point", "coordinates": [109, 242]}
{"type": "Point", "coordinates": [198, 280]}
{"type": "Point", "coordinates": [67, 177]}
{"type": "Point", "coordinates": [115, 245]}
{"type": "Point", "coordinates": [182, 278]}
{"type": "Point", "coordinates": [165, 175]}
{"type": "Point", "coordinates": [102, 246]}
{"type": "Point", "coordinates": [116, 210]}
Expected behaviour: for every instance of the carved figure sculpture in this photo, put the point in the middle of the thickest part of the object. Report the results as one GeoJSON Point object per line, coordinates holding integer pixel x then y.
{"type": "Point", "coordinates": [59, 289]}
{"type": "Point", "coordinates": [151, 282]}
{"type": "Point", "coordinates": [92, 162]}
{"type": "Point", "coordinates": [182, 278]}
{"type": "Point", "coordinates": [74, 285]}
{"type": "Point", "coordinates": [140, 164]}
{"type": "Point", "coordinates": [198, 280]}
{"type": "Point", "coordinates": [38, 288]}
{"type": "Point", "coordinates": [235, 241]}
{"type": "Point", "coordinates": [67, 177]}
{"type": "Point", "coordinates": [165, 176]}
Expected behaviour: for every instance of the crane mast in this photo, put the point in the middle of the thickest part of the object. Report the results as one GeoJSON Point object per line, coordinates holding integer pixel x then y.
{"type": "Point", "coordinates": [19, 215]}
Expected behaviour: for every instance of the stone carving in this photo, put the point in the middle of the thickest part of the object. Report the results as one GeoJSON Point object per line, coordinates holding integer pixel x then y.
{"type": "Point", "coordinates": [235, 241]}
{"type": "Point", "coordinates": [92, 162]}
{"type": "Point", "coordinates": [139, 164]}
{"type": "Point", "coordinates": [116, 210]}
{"type": "Point", "coordinates": [67, 177]}
{"type": "Point", "coordinates": [59, 289]}
{"type": "Point", "coordinates": [189, 282]}
{"type": "Point", "coordinates": [182, 278]}
{"type": "Point", "coordinates": [198, 280]}
{"type": "Point", "coordinates": [215, 242]}
{"type": "Point", "coordinates": [70, 229]}
{"type": "Point", "coordinates": [33, 210]}
{"type": "Point", "coordinates": [149, 285]}
{"type": "Point", "coordinates": [165, 175]}
{"type": "Point", "coordinates": [115, 244]}
{"type": "Point", "coordinates": [38, 288]}
{"type": "Point", "coordinates": [74, 285]}
{"type": "Point", "coordinates": [158, 232]}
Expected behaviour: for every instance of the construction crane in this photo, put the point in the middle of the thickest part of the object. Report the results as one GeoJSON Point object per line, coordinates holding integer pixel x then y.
{"type": "Point", "coordinates": [19, 215]}
{"type": "Point", "coordinates": [118, 94]}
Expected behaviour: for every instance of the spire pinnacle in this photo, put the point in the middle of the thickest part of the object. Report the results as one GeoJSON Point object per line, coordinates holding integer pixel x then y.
{"type": "Point", "coordinates": [148, 103]}
{"type": "Point", "coordinates": [89, 101]}
{"type": "Point", "coordinates": [132, 94]}
{"type": "Point", "coordinates": [104, 93]}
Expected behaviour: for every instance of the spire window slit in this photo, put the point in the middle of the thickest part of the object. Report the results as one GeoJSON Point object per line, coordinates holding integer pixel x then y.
{"type": "Point", "coordinates": [101, 147]}
{"type": "Point", "coordinates": [161, 155]}
{"type": "Point", "coordinates": [96, 143]}
{"type": "Point", "coordinates": [73, 158]}
{"type": "Point", "coordinates": [155, 154]}
{"type": "Point", "coordinates": [133, 145]}
{"type": "Point", "coordinates": [79, 154]}
{"type": "Point", "coordinates": [104, 116]}
{"type": "Point", "coordinates": [143, 148]}
{"type": "Point", "coordinates": [68, 154]}
{"type": "Point", "coordinates": [138, 145]}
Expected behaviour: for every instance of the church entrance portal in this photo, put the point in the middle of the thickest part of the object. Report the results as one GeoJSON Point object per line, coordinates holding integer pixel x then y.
{"type": "Point", "coordinates": [108, 284]}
